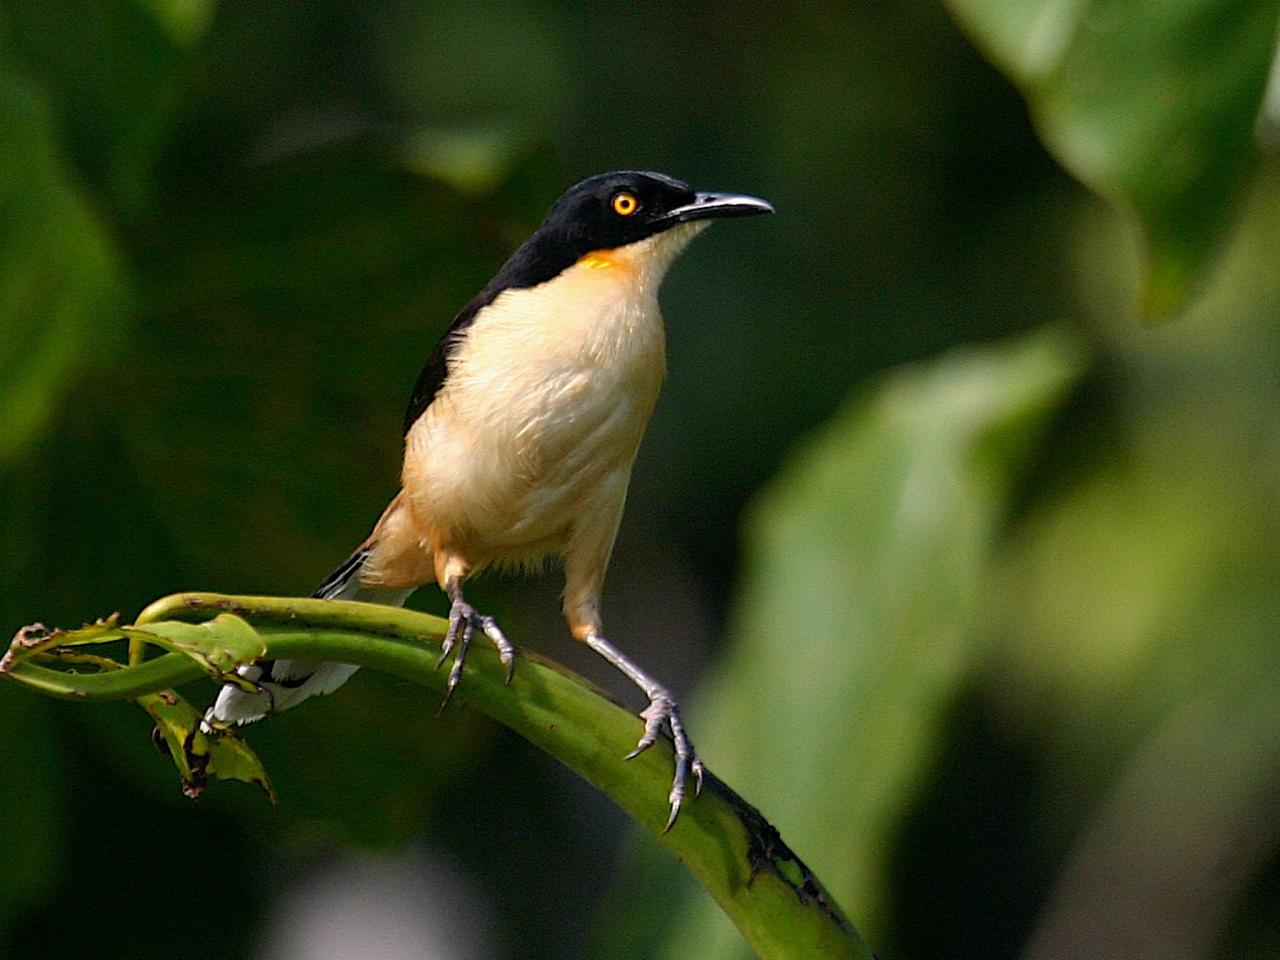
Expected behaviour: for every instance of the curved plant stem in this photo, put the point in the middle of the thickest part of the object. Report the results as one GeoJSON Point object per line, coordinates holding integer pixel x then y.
{"type": "Point", "coordinates": [766, 890]}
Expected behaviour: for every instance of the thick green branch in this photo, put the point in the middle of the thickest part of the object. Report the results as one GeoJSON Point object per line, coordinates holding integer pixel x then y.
{"type": "Point", "coordinates": [764, 888]}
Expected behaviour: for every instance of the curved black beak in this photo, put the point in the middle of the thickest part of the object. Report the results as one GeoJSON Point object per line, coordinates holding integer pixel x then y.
{"type": "Point", "coordinates": [708, 205]}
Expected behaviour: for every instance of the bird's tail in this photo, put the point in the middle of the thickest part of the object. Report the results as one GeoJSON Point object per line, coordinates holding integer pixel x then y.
{"type": "Point", "coordinates": [284, 683]}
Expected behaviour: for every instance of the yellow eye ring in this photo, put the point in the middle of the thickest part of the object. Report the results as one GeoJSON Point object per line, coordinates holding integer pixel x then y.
{"type": "Point", "coordinates": [625, 204]}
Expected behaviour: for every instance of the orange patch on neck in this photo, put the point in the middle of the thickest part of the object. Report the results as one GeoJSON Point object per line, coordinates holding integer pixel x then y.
{"type": "Point", "coordinates": [601, 260]}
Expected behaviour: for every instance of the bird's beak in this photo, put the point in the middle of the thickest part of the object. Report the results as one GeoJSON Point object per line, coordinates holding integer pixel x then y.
{"type": "Point", "coordinates": [708, 205]}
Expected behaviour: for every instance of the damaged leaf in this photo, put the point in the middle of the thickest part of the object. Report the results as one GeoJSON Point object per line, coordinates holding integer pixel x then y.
{"type": "Point", "coordinates": [218, 645]}
{"type": "Point", "coordinates": [37, 639]}
{"type": "Point", "coordinates": [197, 754]}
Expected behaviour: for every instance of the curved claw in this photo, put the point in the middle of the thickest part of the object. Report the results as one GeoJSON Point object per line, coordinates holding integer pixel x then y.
{"type": "Point", "coordinates": [662, 709]}
{"type": "Point", "coordinates": [451, 635]}
{"type": "Point", "coordinates": [455, 675]}
{"type": "Point", "coordinates": [658, 712]}
{"type": "Point", "coordinates": [463, 621]}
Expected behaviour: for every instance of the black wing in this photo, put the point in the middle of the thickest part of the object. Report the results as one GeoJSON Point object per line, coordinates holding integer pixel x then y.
{"type": "Point", "coordinates": [538, 259]}
{"type": "Point", "coordinates": [433, 375]}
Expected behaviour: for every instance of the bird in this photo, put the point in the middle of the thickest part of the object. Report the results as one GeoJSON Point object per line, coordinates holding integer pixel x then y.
{"type": "Point", "coordinates": [520, 436]}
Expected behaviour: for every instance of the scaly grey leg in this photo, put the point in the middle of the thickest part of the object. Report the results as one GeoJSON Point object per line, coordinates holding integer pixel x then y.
{"type": "Point", "coordinates": [662, 708]}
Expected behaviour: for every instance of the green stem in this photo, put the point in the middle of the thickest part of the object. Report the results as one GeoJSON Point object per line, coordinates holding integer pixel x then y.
{"type": "Point", "coordinates": [765, 889]}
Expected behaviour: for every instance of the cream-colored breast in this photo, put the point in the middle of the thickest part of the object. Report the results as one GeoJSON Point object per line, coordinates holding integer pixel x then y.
{"type": "Point", "coordinates": [547, 396]}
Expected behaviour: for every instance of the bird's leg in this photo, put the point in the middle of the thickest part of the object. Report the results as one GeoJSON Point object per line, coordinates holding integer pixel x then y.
{"type": "Point", "coordinates": [662, 709]}
{"type": "Point", "coordinates": [463, 621]}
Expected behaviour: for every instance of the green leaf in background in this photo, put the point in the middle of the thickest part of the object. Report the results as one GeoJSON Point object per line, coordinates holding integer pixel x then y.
{"type": "Point", "coordinates": [1159, 643]}
{"type": "Point", "coordinates": [1135, 630]}
{"type": "Point", "coordinates": [115, 74]}
{"type": "Point", "coordinates": [865, 562]}
{"type": "Point", "coordinates": [1151, 103]}
{"type": "Point", "coordinates": [184, 20]}
{"type": "Point", "coordinates": [61, 294]}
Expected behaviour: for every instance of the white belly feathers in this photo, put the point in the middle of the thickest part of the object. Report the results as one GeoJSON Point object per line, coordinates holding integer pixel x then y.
{"type": "Point", "coordinates": [547, 398]}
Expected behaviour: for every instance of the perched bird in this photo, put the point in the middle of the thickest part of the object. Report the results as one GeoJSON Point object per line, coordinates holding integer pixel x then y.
{"type": "Point", "coordinates": [521, 434]}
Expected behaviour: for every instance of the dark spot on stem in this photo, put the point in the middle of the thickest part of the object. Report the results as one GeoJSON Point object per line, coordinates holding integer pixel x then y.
{"type": "Point", "coordinates": [767, 852]}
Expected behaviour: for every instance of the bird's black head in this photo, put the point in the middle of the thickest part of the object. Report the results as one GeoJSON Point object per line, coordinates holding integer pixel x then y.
{"type": "Point", "coordinates": [615, 209]}
{"type": "Point", "coordinates": [601, 213]}
{"type": "Point", "coordinates": [609, 211]}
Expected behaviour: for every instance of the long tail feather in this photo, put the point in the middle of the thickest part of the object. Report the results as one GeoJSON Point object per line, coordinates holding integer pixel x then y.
{"type": "Point", "coordinates": [284, 683]}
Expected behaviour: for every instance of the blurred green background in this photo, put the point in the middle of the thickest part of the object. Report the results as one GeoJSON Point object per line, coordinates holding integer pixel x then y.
{"type": "Point", "coordinates": [966, 572]}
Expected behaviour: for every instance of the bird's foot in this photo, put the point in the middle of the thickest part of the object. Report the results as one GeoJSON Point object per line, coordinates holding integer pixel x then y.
{"type": "Point", "coordinates": [464, 619]}
{"type": "Point", "coordinates": [663, 709]}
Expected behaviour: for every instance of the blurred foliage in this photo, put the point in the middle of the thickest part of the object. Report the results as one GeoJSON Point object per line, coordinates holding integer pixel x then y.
{"type": "Point", "coordinates": [876, 540]}
{"type": "Point", "coordinates": [60, 289]}
{"type": "Point", "coordinates": [1044, 722]}
{"type": "Point", "coordinates": [1151, 103]}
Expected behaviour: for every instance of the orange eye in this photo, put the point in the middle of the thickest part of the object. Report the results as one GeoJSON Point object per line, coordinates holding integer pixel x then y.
{"type": "Point", "coordinates": [625, 204]}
